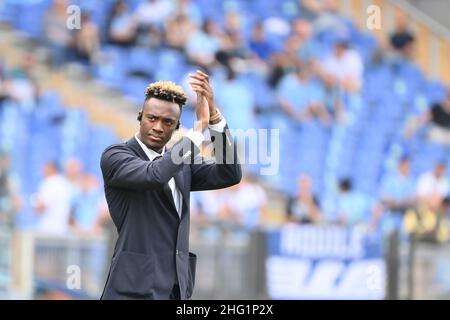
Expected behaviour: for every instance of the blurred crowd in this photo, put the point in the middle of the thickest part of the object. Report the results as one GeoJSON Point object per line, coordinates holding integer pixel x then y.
{"type": "Point", "coordinates": [19, 84]}
{"type": "Point", "coordinates": [308, 80]}
{"type": "Point", "coordinates": [67, 200]}
{"type": "Point", "coordinates": [404, 203]}
{"type": "Point", "coordinates": [306, 67]}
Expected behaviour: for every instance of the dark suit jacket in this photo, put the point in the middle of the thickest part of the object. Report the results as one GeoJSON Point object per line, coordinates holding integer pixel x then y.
{"type": "Point", "coordinates": [152, 250]}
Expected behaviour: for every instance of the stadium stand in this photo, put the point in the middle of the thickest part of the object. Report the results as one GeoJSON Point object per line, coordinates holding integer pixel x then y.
{"type": "Point", "coordinates": [362, 141]}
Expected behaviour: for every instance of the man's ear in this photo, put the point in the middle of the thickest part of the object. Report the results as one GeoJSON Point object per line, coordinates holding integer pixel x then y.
{"type": "Point", "coordinates": [139, 117]}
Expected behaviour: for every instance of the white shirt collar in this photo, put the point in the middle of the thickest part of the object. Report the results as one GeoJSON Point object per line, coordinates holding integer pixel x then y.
{"type": "Point", "coordinates": [151, 154]}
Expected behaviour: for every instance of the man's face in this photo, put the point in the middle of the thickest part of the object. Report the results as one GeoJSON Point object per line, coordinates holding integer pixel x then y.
{"type": "Point", "coordinates": [302, 73]}
{"type": "Point", "coordinates": [258, 33]}
{"type": "Point", "coordinates": [304, 183]}
{"type": "Point", "coordinates": [446, 103]}
{"type": "Point", "coordinates": [73, 168]}
{"type": "Point", "coordinates": [404, 167]}
{"type": "Point", "coordinates": [303, 29]}
{"type": "Point", "coordinates": [159, 120]}
{"type": "Point", "coordinates": [49, 170]}
{"type": "Point", "coordinates": [4, 162]}
{"type": "Point", "coordinates": [339, 50]}
{"type": "Point", "coordinates": [440, 170]}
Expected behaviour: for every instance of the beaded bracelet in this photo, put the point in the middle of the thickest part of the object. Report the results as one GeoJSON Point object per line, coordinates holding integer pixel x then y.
{"type": "Point", "coordinates": [215, 117]}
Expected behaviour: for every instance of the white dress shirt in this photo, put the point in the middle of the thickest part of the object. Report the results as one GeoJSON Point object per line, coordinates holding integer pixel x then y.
{"type": "Point", "coordinates": [197, 138]}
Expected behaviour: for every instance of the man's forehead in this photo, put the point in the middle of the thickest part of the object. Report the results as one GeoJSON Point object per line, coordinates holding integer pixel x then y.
{"type": "Point", "coordinates": [161, 108]}
{"type": "Point", "coordinates": [162, 115]}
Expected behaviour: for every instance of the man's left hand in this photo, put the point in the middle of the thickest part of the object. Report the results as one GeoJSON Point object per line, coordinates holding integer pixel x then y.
{"type": "Point", "coordinates": [200, 84]}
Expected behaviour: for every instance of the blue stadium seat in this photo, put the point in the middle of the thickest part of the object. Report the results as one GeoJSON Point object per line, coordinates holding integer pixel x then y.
{"type": "Point", "coordinates": [29, 17]}
{"type": "Point", "coordinates": [143, 60]}
{"type": "Point", "coordinates": [434, 91]}
{"type": "Point", "coordinates": [134, 88]}
{"type": "Point", "coordinates": [8, 11]}
{"type": "Point", "coordinates": [112, 69]}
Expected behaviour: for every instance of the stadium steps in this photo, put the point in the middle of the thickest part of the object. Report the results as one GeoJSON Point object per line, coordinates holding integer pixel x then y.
{"type": "Point", "coordinates": [103, 105]}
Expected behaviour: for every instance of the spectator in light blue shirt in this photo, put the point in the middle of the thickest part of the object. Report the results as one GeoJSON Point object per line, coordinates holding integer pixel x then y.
{"type": "Point", "coordinates": [121, 26]}
{"type": "Point", "coordinates": [191, 10]}
{"type": "Point", "coordinates": [309, 48]}
{"type": "Point", "coordinates": [258, 43]}
{"type": "Point", "coordinates": [330, 100]}
{"type": "Point", "coordinates": [398, 189]}
{"type": "Point", "coordinates": [294, 94]}
{"type": "Point", "coordinates": [88, 207]}
{"type": "Point", "coordinates": [237, 102]}
{"type": "Point", "coordinates": [398, 194]}
{"type": "Point", "coordinates": [202, 45]}
{"type": "Point", "coordinates": [300, 97]}
{"type": "Point", "coordinates": [352, 207]}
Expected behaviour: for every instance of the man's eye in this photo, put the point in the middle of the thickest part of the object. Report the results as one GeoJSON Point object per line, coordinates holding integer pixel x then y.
{"type": "Point", "coordinates": [151, 118]}
{"type": "Point", "coordinates": [169, 122]}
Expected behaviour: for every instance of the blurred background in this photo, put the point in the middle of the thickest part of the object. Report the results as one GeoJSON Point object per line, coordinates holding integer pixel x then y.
{"type": "Point", "coordinates": [357, 89]}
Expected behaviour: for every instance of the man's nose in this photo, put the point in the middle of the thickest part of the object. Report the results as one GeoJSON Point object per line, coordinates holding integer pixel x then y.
{"type": "Point", "coordinates": [158, 127]}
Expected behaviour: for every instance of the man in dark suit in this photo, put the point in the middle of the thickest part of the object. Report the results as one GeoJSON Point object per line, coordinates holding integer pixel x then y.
{"type": "Point", "coordinates": [147, 188]}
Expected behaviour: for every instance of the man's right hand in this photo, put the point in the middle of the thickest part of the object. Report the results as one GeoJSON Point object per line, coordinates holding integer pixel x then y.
{"type": "Point", "coordinates": [202, 112]}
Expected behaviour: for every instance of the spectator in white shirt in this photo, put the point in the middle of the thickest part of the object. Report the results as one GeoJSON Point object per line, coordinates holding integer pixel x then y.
{"type": "Point", "coordinates": [53, 202]}
{"type": "Point", "coordinates": [433, 187]}
{"type": "Point", "coordinates": [73, 172]}
{"type": "Point", "coordinates": [345, 66]}
{"type": "Point", "coordinates": [245, 203]}
{"type": "Point", "coordinates": [153, 12]}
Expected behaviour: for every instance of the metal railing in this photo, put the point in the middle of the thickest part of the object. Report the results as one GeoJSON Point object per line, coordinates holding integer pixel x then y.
{"type": "Point", "coordinates": [5, 262]}
{"type": "Point", "coordinates": [73, 265]}
{"type": "Point", "coordinates": [417, 269]}
{"type": "Point", "coordinates": [231, 265]}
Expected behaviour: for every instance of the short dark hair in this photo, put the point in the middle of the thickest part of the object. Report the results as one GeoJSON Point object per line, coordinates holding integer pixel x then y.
{"type": "Point", "coordinates": [441, 163]}
{"type": "Point", "coordinates": [166, 90]}
{"type": "Point", "coordinates": [345, 184]}
{"type": "Point", "coordinates": [404, 158]}
{"type": "Point", "coordinates": [54, 164]}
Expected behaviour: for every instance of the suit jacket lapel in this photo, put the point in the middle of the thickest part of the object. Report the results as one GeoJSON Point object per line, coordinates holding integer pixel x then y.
{"type": "Point", "coordinates": [133, 144]}
{"type": "Point", "coordinates": [168, 193]}
{"type": "Point", "coordinates": [179, 181]}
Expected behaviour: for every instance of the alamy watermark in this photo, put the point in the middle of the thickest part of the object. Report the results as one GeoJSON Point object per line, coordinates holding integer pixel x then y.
{"type": "Point", "coordinates": [73, 281]}
{"type": "Point", "coordinates": [373, 21]}
{"type": "Point", "coordinates": [74, 19]}
{"type": "Point", "coordinates": [251, 146]}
